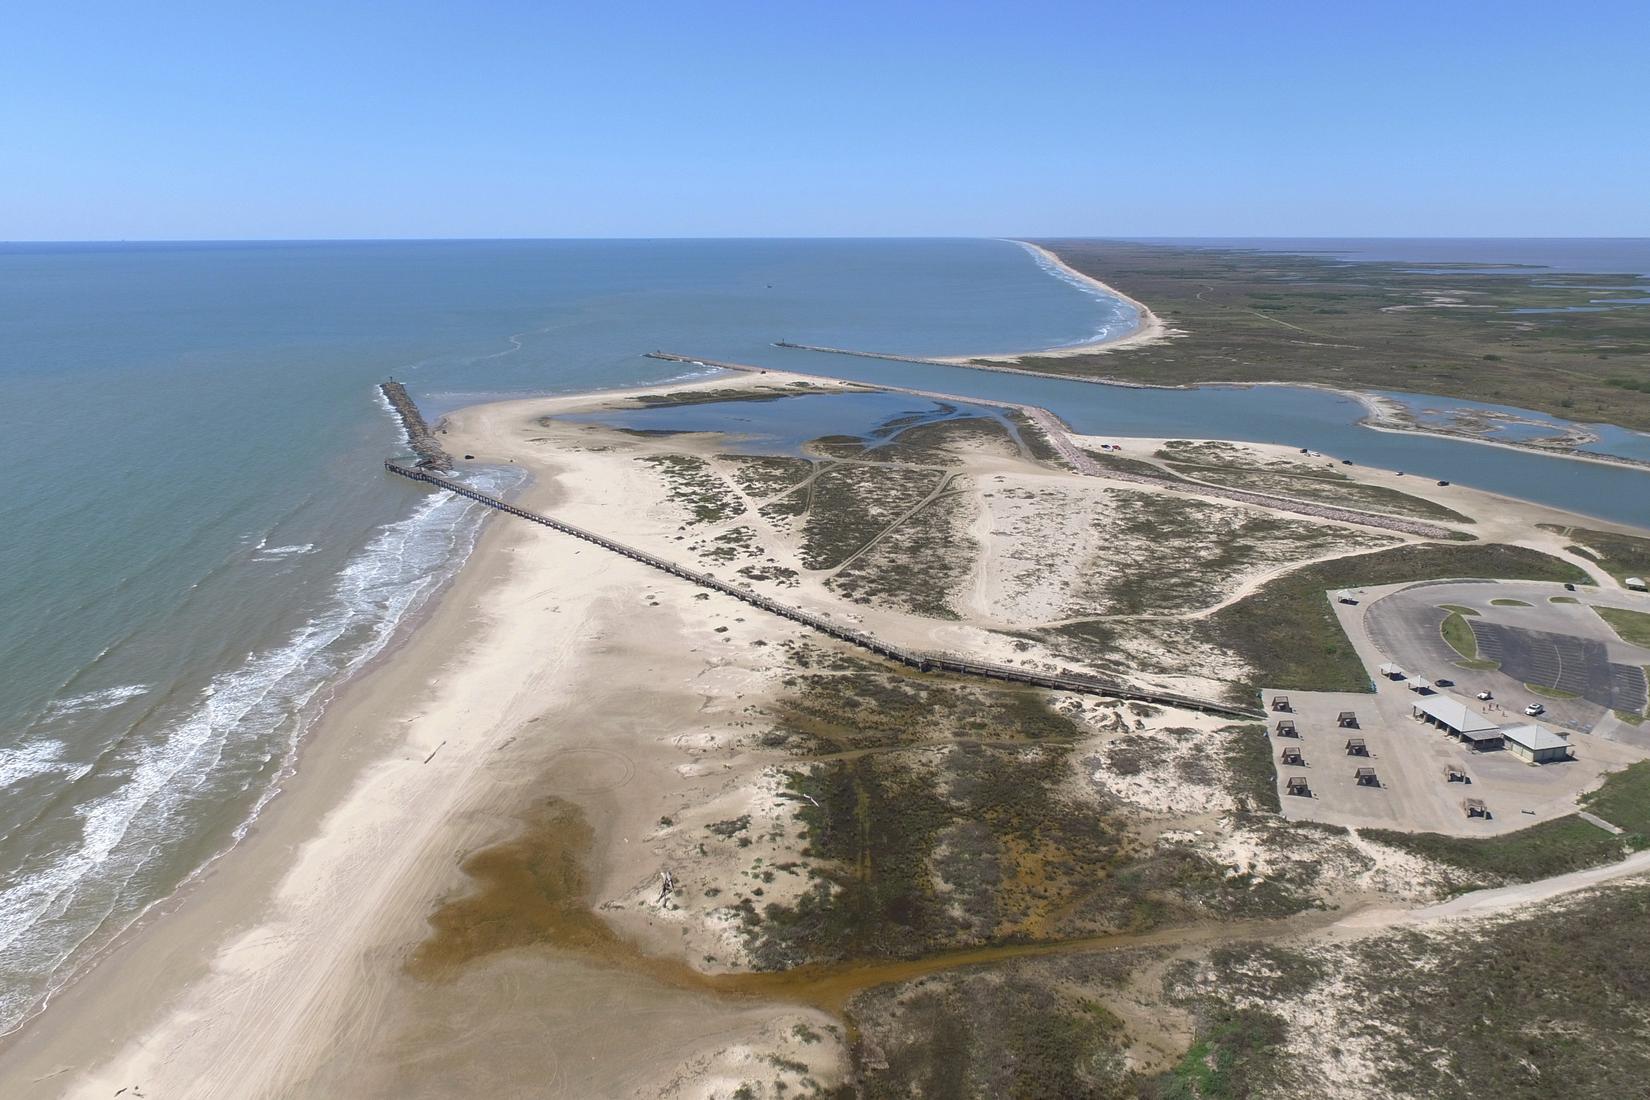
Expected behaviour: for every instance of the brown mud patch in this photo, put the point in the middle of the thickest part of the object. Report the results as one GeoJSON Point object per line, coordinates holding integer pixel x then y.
{"type": "Point", "coordinates": [533, 891]}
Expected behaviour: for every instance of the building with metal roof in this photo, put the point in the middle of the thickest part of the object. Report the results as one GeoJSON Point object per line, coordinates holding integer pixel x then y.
{"type": "Point", "coordinates": [1537, 744]}
{"type": "Point", "coordinates": [1456, 717]}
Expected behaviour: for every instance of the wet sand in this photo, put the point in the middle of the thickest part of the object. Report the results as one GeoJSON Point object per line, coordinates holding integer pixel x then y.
{"type": "Point", "coordinates": [283, 972]}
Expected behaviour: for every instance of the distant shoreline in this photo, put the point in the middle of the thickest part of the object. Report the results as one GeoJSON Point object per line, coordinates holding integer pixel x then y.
{"type": "Point", "coordinates": [1150, 329]}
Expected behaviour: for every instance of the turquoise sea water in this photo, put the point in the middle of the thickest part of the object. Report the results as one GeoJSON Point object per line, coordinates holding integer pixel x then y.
{"type": "Point", "coordinates": [199, 541]}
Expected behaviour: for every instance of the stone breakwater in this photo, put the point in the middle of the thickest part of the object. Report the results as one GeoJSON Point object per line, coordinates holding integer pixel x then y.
{"type": "Point", "coordinates": [431, 455]}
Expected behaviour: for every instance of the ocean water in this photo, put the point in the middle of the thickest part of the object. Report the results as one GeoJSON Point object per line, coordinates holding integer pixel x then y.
{"type": "Point", "coordinates": [200, 541]}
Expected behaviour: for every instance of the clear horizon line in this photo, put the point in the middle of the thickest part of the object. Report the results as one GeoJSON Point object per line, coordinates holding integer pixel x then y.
{"type": "Point", "coordinates": [805, 237]}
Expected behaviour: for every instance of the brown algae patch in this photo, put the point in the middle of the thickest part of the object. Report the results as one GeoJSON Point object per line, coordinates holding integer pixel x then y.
{"type": "Point", "coordinates": [528, 890]}
{"type": "Point", "coordinates": [532, 891]}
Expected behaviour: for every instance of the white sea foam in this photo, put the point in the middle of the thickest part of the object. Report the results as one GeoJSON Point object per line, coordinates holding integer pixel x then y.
{"type": "Point", "coordinates": [1125, 317]}
{"type": "Point", "coordinates": [102, 699]}
{"type": "Point", "coordinates": [254, 712]}
{"type": "Point", "coordinates": [266, 553]}
{"type": "Point", "coordinates": [41, 757]}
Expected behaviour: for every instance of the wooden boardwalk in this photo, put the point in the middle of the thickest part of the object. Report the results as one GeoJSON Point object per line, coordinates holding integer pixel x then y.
{"type": "Point", "coordinates": [924, 662]}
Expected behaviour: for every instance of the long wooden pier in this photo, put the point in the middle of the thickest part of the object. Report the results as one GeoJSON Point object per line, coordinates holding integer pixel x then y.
{"type": "Point", "coordinates": [924, 662]}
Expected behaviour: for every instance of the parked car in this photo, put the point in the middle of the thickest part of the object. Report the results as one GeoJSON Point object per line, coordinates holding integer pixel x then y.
{"type": "Point", "coordinates": [1485, 695]}
{"type": "Point", "coordinates": [1568, 587]}
{"type": "Point", "coordinates": [1534, 709]}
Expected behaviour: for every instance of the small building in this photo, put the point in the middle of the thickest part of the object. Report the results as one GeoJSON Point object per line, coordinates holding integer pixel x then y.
{"type": "Point", "coordinates": [1292, 756]}
{"type": "Point", "coordinates": [1637, 584]}
{"type": "Point", "coordinates": [1419, 684]}
{"type": "Point", "coordinates": [1392, 671]}
{"type": "Point", "coordinates": [1537, 744]}
{"type": "Point", "coordinates": [1482, 740]}
{"type": "Point", "coordinates": [1474, 807]}
{"type": "Point", "coordinates": [1296, 784]}
{"type": "Point", "coordinates": [1286, 728]}
{"type": "Point", "coordinates": [1355, 747]}
{"type": "Point", "coordinates": [1348, 719]}
{"type": "Point", "coordinates": [1454, 774]}
{"type": "Point", "coordinates": [1366, 777]}
{"type": "Point", "coordinates": [1459, 720]}
{"type": "Point", "coordinates": [1281, 702]}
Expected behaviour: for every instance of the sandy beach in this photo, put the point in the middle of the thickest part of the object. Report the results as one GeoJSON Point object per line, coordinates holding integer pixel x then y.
{"type": "Point", "coordinates": [1152, 328]}
{"type": "Point", "coordinates": [282, 972]}
{"type": "Point", "coordinates": [464, 891]}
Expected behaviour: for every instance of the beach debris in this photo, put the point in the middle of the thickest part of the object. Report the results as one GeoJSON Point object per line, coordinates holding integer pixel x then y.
{"type": "Point", "coordinates": [433, 751]}
{"type": "Point", "coordinates": [667, 885]}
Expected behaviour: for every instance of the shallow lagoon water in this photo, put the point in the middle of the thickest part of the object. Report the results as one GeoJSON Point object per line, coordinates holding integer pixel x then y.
{"type": "Point", "coordinates": [1317, 419]}
{"type": "Point", "coordinates": [780, 426]}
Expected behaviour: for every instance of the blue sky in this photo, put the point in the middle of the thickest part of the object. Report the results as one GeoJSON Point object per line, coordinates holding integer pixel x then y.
{"type": "Point", "coordinates": [229, 120]}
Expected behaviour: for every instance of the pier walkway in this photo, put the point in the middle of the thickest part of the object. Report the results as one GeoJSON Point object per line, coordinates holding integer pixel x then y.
{"type": "Point", "coordinates": [924, 662]}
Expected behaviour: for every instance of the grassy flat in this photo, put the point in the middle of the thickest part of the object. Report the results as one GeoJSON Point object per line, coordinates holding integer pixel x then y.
{"type": "Point", "coordinates": [1631, 626]}
{"type": "Point", "coordinates": [1287, 631]}
{"type": "Point", "coordinates": [1550, 693]}
{"type": "Point", "coordinates": [1460, 608]}
{"type": "Point", "coordinates": [1510, 603]}
{"type": "Point", "coordinates": [1254, 316]}
{"type": "Point", "coordinates": [1460, 636]}
{"type": "Point", "coordinates": [1621, 556]}
{"type": "Point", "coordinates": [1562, 599]}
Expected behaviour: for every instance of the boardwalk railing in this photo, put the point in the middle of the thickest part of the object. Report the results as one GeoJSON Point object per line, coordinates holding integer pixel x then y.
{"type": "Point", "coordinates": [925, 662]}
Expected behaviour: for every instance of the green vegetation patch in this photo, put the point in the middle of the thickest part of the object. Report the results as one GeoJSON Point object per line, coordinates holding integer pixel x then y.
{"type": "Point", "coordinates": [851, 504]}
{"type": "Point", "coordinates": [1233, 1057]}
{"type": "Point", "coordinates": [1318, 489]}
{"type": "Point", "coordinates": [1551, 1003]}
{"type": "Point", "coordinates": [1288, 634]}
{"type": "Point", "coordinates": [1249, 761]}
{"type": "Point", "coordinates": [677, 398]}
{"type": "Point", "coordinates": [1621, 556]}
{"type": "Point", "coordinates": [763, 476]}
{"type": "Point", "coordinates": [940, 444]}
{"type": "Point", "coordinates": [694, 483]}
{"type": "Point", "coordinates": [1161, 553]}
{"type": "Point", "coordinates": [1033, 437]}
{"type": "Point", "coordinates": [1630, 626]}
{"type": "Point", "coordinates": [1624, 801]}
{"type": "Point", "coordinates": [1372, 325]}
{"type": "Point", "coordinates": [942, 814]}
{"type": "Point", "coordinates": [1504, 602]}
{"type": "Point", "coordinates": [1459, 635]}
{"type": "Point", "coordinates": [1541, 851]}
{"type": "Point", "coordinates": [1028, 1029]}
{"type": "Point", "coordinates": [1562, 599]}
{"type": "Point", "coordinates": [1550, 692]}
{"type": "Point", "coordinates": [918, 566]}
{"type": "Point", "coordinates": [1461, 609]}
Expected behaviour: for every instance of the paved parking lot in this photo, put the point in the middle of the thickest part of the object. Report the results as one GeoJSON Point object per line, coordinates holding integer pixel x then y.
{"type": "Point", "coordinates": [1554, 644]}
{"type": "Point", "coordinates": [1579, 666]}
{"type": "Point", "coordinates": [1411, 758]}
